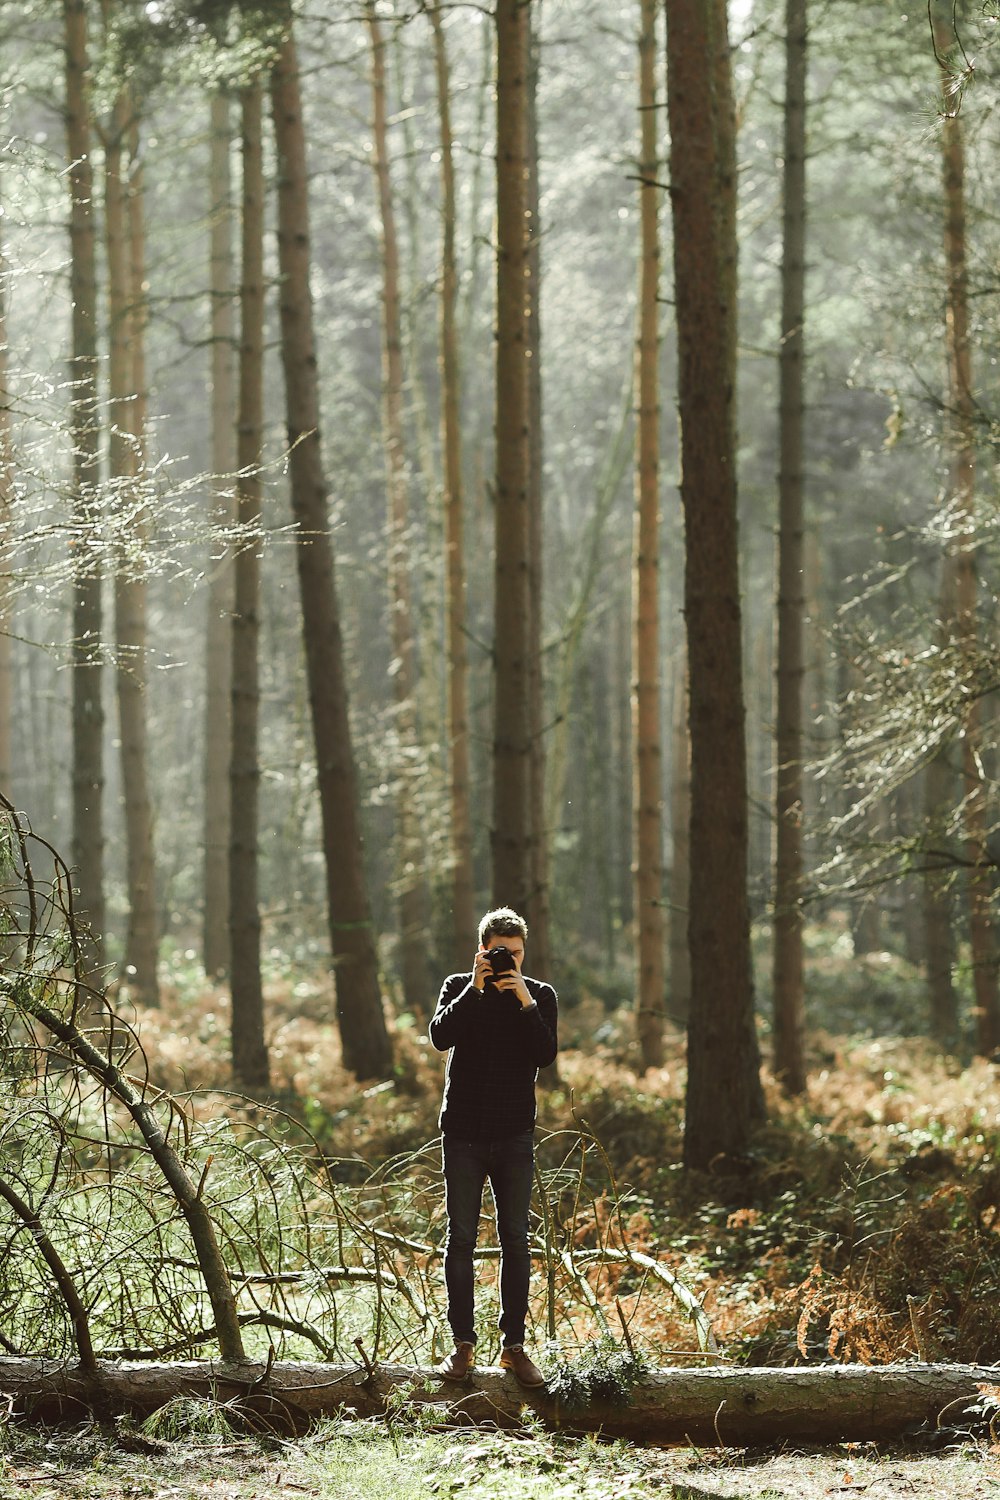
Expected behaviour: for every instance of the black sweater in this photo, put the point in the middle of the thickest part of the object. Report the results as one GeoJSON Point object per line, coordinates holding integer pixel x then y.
{"type": "Point", "coordinates": [497, 1047]}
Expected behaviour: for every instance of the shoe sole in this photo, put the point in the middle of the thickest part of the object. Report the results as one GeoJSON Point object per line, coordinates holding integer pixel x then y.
{"type": "Point", "coordinates": [529, 1385]}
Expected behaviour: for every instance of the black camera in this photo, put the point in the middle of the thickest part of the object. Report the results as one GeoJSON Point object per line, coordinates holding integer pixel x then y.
{"type": "Point", "coordinates": [501, 960]}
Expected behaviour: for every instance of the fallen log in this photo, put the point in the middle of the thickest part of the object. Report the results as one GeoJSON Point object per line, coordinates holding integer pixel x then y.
{"type": "Point", "coordinates": [716, 1407]}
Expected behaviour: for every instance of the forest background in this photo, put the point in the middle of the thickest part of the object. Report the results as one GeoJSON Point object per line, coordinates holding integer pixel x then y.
{"type": "Point", "coordinates": [147, 475]}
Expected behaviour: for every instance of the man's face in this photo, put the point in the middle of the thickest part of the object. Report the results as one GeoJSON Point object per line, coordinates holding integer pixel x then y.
{"type": "Point", "coordinates": [514, 944]}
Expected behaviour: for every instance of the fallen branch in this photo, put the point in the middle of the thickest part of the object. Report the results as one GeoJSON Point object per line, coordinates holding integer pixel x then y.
{"type": "Point", "coordinates": [60, 1275]}
{"type": "Point", "coordinates": [26, 990]}
{"type": "Point", "coordinates": [688, 1299]}
{"type": "Point", "coordinates": [711, 1407]}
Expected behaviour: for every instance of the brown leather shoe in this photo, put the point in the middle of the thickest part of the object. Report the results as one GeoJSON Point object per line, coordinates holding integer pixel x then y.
{"type": "Point", "coordinates": [459, 1363]}
{"type": "Point", "coordinates": [523, 1369]}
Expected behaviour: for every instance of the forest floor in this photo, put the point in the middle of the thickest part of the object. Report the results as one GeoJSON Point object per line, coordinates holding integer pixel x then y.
{"type": "Point", "coordinates": [864, 1226]}
{"type": "Point", "coordinates": [366, 1461]}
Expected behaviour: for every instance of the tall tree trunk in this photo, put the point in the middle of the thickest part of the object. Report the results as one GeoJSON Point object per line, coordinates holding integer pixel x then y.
{"type": "Point", "coordinates": [938, 906]}
{"type": "Point", "coordinates": [513, 854]}
{"type": "Point", "coordinates": [961, 439]}
{"type": "Point", "coordinates": [587, 572]}
{"type": "Point", "coordinates": [411, 863]}
{"type": "Point", "coordinates": [145, 917]}
{"type": "Point", "coordinates": [215, 923]}
{"type": "Point", "coordinates": [620, 803]}
{"type": "Point", "coordinates": [679, 993]}
{"type": "Point", "coordinates": [646, 717]}
{"type": "Point", "coordinates": [88, 624]}
{"type": "Point", "coordinates": [6, 535]}
{"type": "Point", "coordinates": [724, 1095]}
{"type": "Point", "coordinates": [413, 317]}
{"type": "Point", "coordinates": [938, 896]}
{"type": "Point", "coordinates": [463, 913]}
{"type": "Point", "coordinates": [789, 1058]}
{"type": "Point", "coordinates": [249, 1048]}
{"type": "Point", "coordinates": [364, 1038]}
{"type": "Point", "coordinates": [537, 912]}
{"type": "Point", "coordinates": [126, 454]}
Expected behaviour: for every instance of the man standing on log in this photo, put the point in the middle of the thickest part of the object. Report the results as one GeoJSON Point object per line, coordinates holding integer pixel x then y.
{"type": "Point", "coordinates": [500, 1028]}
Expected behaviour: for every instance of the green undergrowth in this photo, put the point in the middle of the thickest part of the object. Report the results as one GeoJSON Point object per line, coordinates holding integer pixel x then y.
{"type": "Point", "coordinates": [601, 1372]}
{"type": "Point", "coordinates": [862, 1224]}
{"type": "Point", "coordinates": [365, 1460]}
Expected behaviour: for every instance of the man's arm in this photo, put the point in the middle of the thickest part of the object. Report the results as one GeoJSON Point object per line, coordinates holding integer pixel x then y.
{"type": "Point", "coordinates": [542, 1021]}
{"type": "Point", "coordinates": [453, 1011]}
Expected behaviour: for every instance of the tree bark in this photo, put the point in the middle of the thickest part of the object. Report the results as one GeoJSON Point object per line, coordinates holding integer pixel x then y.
{"type": "Point", "coordinates": [789, 1019]}
{"type": "Point", "coordinates": [938, 907]}
{"type": "Point", "coordinates": [961, 443]}
{"type": "Point", "coordinates": [65, 1284]}
{"type": "Point", "coordinates": [537, 911]}
{"type": "Point", "coordinates": [364, 1038]}
{"type": "Point", "coordinates": [724, 1097]}
{"type": "Point", "coordinates": [126, 459]}
{"type": "Point", "coordinates": [711, 1407]}
{"type": "Point", "coordinates": [646, 715]}
{"type": "Point", "coordinates": [6, 534]}
{"type": "Point", "coordinates": [679, 994]}
{"type": "Point", "coordinates": [216, 817]}
{"type": "Point", "coordinates": [413, 319]}
{"type": "Point", "coordinates": [512, 834]}
{"type": "Point", "coordinates": [411, 864]}
{"type": "Point", "coordinates": [251, 1067]}
{"type": "Point", "coordinates": [88, 624]}
{"type": "Point", "coordinates": [593, 551]}
{"type": "Point", "coordinates": [463, 913]}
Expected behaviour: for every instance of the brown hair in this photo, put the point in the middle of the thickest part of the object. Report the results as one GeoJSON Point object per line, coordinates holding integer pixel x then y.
{"type": "Point", "coordinates": [502, 922]}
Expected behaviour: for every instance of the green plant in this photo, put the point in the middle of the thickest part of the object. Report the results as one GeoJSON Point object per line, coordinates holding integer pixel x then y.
{"type": "Point", "coordinates": [604, 1371]}
{"type": "Point", "coordinates": [191, 1417]}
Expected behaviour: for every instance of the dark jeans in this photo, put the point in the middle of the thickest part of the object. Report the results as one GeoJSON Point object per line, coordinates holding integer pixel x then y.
{"type": "Point", "coordinates": [509, 1167]}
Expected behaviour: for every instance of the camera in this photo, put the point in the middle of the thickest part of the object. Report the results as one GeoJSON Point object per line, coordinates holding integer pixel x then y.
{"type": "Point", "coordinates": [501, 960]}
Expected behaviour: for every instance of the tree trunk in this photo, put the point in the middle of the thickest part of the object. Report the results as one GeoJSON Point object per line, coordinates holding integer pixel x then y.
{"type": "Point", "coordinates": [126, 458]}
{"type": "Point", "coordinates": [88, 709]}
{"type": "Point", "coordinates": [587, 572]}
{"type": "Point", "coordinates": [215, 923]}
{"type": "Point", "coordinates": [411, 864]}
{"type": "Point", "coordinates": [711, 1407]}
{"type": "Point", "coordinates": [513, 853]}
{"type": "Point", "coordinates": [679, 994]}
{"type": "Point", "coordinates": [463, 912]}
{"type": "Point", "coordinates": [413, 318]}
{"type": "Point", "coordinates": [6, 535]}
{"type": "Point", "coordinates": [364, 1038]}
{"type": "Point", "coordinates": [724, 1097]}
{"type": "Point", "coordinates": [961, 442]}
{"type": "Point", "coordinates": [537, 912]}
{"type": "Point", "coordinates": [938, 906]}
{"type": "Point", "coordinates": [789, 1020]}
{"type": "Point", "coordinates": [646, 716]}
{"type": "Point", "coordinates": [251, 1067]}
{"type": "Point", "coordinates": [623, 762]}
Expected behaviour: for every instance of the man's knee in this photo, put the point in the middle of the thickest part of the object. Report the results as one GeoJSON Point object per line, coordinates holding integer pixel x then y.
{"type": "Point", "coordinates": [513, 1235]}
{"type": "Point", "coordinates": [460, 1240]}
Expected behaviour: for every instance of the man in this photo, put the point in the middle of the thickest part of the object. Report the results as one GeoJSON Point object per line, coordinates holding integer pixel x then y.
{"type": "Point", "coordinates": [500, 1028]}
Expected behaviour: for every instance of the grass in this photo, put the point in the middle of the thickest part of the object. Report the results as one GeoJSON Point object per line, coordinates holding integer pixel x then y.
{"type": "Point", "coordinates": [368, 1461]}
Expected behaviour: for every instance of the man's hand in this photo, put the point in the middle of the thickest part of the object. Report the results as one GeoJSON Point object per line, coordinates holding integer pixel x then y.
{"type": "Point", "coordinates": [482, 971]}
{"type": "Point", "coordinates": [514, 983]}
